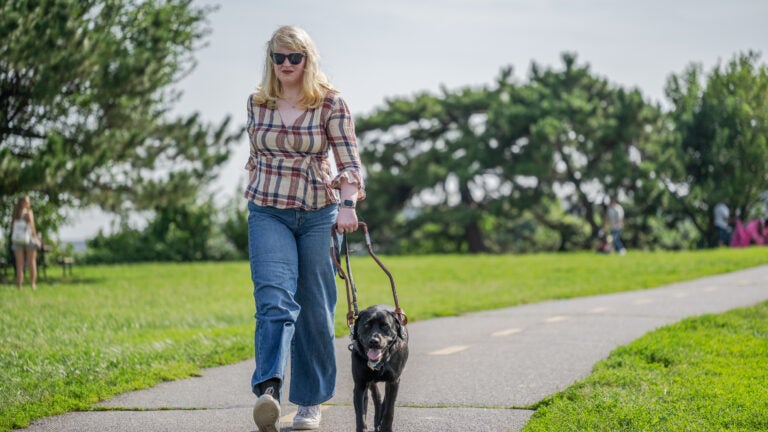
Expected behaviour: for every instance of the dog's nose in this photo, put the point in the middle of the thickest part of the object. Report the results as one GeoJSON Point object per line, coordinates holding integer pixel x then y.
{"type": "Point", "coordinates": [375, 342]}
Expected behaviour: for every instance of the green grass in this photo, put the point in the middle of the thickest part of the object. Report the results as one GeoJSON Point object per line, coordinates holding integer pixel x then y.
{"type": "Point", "coordinates": [113, 329]}
{"type": "Point", "coordinates": [433, 286]}
{"type": "Point", "coordinates": [707, 373]}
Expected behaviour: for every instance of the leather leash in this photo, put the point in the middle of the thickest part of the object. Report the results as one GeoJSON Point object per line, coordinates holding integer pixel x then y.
{"type": "Point", "coordinates": [352, 310]}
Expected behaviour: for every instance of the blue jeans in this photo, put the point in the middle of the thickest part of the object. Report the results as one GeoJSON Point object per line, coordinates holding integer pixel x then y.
{"type": "Point", "coordinates": [618, 245]}
{"type": "Point", "coordinates": [294, 285]}
{"type": "Point", "coordinates": [723, 236]}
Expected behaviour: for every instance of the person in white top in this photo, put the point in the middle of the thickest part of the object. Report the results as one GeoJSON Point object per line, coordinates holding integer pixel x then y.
{"type": "Point", "coordinates": [721, 218]}
{"type": "Point", "coordinates": [24, 241]}
{"type": "Point", "coordinates": [615, 223]}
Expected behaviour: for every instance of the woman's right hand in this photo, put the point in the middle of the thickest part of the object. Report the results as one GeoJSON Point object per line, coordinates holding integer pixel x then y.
{"type": "Point", "coordinates": [346, 221]}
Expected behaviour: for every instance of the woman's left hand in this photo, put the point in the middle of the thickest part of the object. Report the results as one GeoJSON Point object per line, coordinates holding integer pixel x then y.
{"type": "Point", "coordinates": [346, 221]}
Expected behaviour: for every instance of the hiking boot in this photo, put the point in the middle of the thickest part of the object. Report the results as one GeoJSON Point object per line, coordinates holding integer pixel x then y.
{"type": "Point", "coordinates": [266, 413]}
{"type": "Point", "coordinates": [308, 418]}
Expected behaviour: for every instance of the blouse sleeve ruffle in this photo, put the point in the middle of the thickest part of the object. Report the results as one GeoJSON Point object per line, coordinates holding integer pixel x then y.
{"type": "Point", "coordinates": [251, 164]}
{"type": "Point", "coordinates": [353, 177]}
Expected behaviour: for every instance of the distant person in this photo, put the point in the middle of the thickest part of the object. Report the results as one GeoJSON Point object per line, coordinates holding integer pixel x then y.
{"type": "Point", "coordinates": [721, 220]}
{"type": "Point", "coordinates": [606, 241]}
{"type": "Point", "coordinates": [295, 119]}
{"type": "Point", "coordinates": [614, 216]}
{"type": "Point", "coordinates": [24, 241]}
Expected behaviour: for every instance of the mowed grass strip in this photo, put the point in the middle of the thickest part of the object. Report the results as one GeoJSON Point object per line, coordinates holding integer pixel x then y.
{"type": "Point", "coordinates": [707, 373]}
{"type": "Point", "coordinates": [434, 286]}
{"type": "Point", "coordinates": [114, 329]}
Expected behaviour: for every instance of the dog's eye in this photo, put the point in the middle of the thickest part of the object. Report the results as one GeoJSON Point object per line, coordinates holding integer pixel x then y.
{"type": "Point", "coordinates": [385, 327]}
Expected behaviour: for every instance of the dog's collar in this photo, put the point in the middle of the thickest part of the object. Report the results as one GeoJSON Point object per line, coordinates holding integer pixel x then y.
{"type": "Point", "coordinates": [375, 366]}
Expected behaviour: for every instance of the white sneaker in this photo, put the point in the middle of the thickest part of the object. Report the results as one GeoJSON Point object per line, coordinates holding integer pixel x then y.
{"type": "Point", "coordinates": [266, 413]}
{"type": "Point", "coordinates": [308, 418]}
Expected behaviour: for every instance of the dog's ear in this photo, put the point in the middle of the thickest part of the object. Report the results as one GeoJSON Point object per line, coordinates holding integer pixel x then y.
{"type": "Point", "coordinates": [401, 330]}
{"type": "Point", "coordinates": [356, 321]}
{"type": "Point", "coordinates": [353, 329]}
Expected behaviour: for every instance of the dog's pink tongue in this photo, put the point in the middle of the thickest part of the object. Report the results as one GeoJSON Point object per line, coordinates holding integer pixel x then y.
{"type": "Point", "coordinates": [374, 354]}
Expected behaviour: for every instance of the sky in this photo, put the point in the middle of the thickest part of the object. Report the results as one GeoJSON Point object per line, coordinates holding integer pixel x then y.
{"type": "Point", "coordinates": [375, 50]}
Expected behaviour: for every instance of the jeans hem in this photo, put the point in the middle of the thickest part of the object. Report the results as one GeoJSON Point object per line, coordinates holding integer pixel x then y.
{"type": "Point", "coordinates": [322, 400]}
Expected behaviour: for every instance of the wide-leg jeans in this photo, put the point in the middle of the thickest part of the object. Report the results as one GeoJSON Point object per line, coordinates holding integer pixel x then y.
{"type": "Point", "coordinates": [295, 292]}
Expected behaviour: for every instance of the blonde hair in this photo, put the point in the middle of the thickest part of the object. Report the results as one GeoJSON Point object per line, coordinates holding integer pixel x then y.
{"type": "Point", "coordinates": [22, 202]}
{"type": "Point", "coordinates": [315, 84]}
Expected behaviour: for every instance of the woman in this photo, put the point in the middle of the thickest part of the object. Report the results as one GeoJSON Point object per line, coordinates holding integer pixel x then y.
{"type": "Point", "coordinates": [295, 118]}
{"type": "Point", "coordinates": [24, 251]}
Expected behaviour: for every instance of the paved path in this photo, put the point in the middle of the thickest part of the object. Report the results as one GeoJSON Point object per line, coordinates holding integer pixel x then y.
{"type": "Point", "coordinates": [476, 372]}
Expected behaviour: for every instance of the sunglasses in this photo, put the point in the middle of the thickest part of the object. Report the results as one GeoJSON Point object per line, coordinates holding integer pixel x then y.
{"type": "Point", "coordinates": [294, 58]}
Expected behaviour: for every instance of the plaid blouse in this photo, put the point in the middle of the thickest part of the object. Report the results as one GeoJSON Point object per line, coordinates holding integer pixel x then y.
{"type": "Point", "coordinates": [288, 164]}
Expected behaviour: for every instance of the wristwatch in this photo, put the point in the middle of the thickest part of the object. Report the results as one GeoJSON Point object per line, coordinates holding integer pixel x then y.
{"type": "Point", "coordinates": [347, 203]}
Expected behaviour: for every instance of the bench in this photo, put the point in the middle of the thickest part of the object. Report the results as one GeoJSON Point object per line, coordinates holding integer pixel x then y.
{"type": "Point", "coordinates": [4, 266]}
{"type": "Point", "coordinates": [66, 264]}
{"type": "Point", "coordinates": [42, 258]}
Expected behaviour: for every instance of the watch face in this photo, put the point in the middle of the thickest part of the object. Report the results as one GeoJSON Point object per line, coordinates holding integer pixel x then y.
{"type": "Point", "coordinates": [349, 203]}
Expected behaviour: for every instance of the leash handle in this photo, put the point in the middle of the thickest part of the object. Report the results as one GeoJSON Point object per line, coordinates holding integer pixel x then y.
{"type": "Point", "coordinates": [351, 290]}
{"type": "Point", "coordinates": [398, 310]}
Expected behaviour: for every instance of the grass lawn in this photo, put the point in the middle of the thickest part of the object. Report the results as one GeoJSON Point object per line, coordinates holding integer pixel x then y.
{"type": "Point", "coordinates": [113, 329]}
{"type": "Point", "coordinates": [707, 373]}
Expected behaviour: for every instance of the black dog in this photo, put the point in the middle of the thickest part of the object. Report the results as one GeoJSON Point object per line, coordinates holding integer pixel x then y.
{"type": "Point", "coordinates": [379, 352]}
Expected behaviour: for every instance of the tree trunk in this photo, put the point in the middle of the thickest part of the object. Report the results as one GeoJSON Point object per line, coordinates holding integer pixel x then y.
{"type": "Point", "coordinates": [474, 237]}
